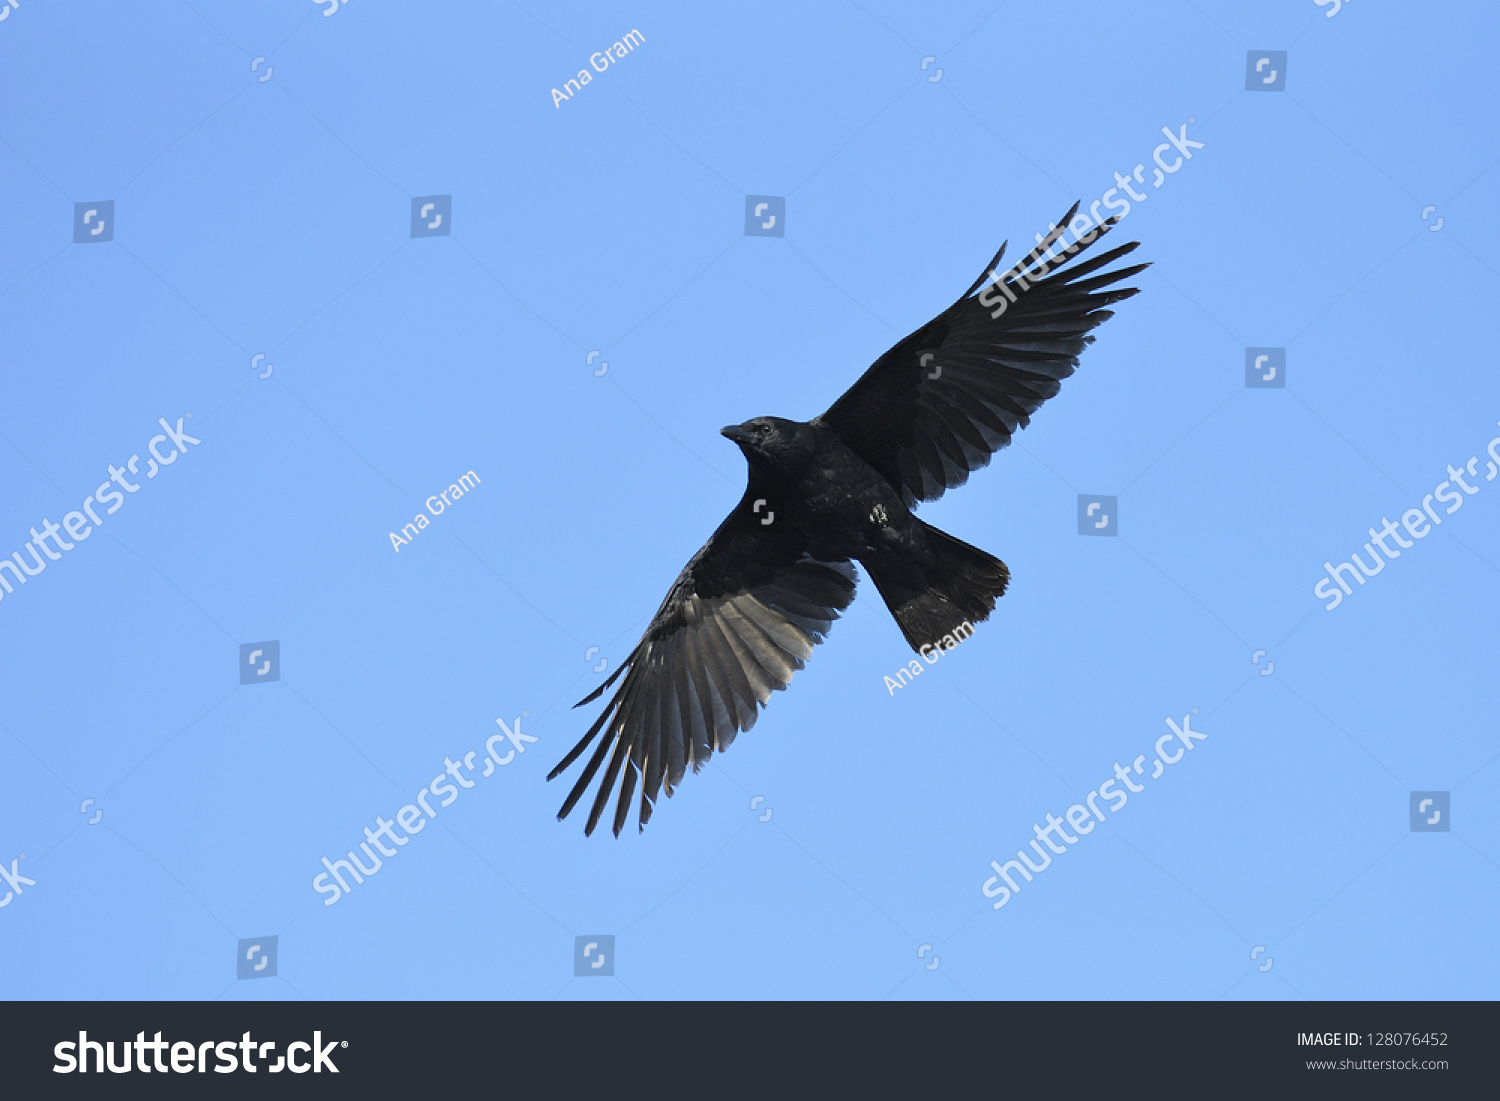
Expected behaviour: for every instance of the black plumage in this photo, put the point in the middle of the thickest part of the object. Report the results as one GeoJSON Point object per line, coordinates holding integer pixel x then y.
{"type": "Point", "coordinates": [747, 610]}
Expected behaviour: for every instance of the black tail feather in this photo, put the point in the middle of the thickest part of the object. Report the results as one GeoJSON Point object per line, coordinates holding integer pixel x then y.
{"type": "Point", "coordinates": [956, 584]}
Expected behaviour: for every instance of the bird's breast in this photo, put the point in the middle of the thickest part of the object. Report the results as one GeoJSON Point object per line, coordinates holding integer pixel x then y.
{"type": "Point", "coordinates": [853, 509]}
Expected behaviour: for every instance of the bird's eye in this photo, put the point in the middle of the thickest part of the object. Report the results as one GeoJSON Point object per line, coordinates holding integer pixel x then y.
{"type": "Point", "coordinates": [764, 429]}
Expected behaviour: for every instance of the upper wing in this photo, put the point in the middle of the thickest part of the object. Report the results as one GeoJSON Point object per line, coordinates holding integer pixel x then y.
{"type": "Point", "coordinates": [936, 406]}
{"type": "Point", "coordinates": [742, 617]}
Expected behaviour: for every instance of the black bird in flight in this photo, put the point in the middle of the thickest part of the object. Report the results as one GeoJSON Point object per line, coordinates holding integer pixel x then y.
{"type": "Point", "coordinates": [748, 609]}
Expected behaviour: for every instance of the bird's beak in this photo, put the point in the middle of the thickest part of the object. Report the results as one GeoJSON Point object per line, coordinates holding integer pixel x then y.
{"type": "Point", "coordinates": [735, 432]}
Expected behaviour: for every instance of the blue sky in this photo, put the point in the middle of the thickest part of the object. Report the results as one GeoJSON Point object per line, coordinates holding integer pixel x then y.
{"type": "Point", "coordinates": [262, 162]}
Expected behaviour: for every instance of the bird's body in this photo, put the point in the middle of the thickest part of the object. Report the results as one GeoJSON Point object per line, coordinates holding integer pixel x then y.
{"type": "Point", "coordinates": [815, 483]}
{"type": "Point", "coordinates": [747, 610]}
{"type": "Point", "coordinates": [807, 478]}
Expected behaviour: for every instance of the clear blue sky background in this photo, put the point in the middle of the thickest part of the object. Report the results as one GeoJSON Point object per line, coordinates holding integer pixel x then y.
{"type": "Point", "coordinates": [273, 217]}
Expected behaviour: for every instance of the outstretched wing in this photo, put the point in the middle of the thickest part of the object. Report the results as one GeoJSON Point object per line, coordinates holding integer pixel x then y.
{"type": "Point", "coordinates": [934, 408]}
{"type": "Point", "coordinates": [742, 617]}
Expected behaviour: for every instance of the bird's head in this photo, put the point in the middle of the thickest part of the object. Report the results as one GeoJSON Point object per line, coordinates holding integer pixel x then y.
{"type": "Point", "coordinates": [771, 442]}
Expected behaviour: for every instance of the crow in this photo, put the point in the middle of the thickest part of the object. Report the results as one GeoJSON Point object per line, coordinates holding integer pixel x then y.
{"type": "Point", "coordinates": [747, 610]}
